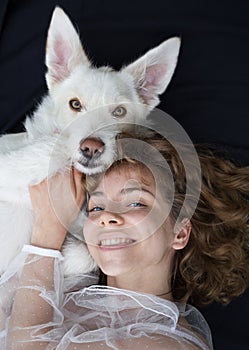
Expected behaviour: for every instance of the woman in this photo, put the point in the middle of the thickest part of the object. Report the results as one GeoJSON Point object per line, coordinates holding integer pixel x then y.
{"type": "Point", "coordinates": [156, 250]}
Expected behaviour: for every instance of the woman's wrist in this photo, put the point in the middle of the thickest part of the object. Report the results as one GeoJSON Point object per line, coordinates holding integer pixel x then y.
{"type": "Point", "coordinates": [48, 236]}
{"type": "Point", "coordinates": [32, 249]}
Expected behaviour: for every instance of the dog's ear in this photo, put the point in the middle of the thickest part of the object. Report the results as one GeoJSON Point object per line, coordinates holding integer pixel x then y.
{"type": "Point", "coordinates": [64, 49]}
{"type": "Point", "coordinates": [153, 71]}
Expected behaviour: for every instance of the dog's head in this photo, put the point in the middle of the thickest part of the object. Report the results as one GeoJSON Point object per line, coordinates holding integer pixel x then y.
{"type": "Point", "coordinates": [94, 98]}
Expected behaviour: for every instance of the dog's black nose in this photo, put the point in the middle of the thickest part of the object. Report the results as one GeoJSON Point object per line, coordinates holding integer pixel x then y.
{"type": "Point", "coordinates": [92, 147]}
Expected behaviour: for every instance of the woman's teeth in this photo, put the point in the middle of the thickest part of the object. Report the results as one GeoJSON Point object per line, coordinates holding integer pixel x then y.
{"type": "Point", "coordinates": [115, 241]}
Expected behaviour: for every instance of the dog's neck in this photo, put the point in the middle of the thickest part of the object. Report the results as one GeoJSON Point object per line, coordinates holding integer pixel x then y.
{"type": "Point", "coordinates": [42, 122]}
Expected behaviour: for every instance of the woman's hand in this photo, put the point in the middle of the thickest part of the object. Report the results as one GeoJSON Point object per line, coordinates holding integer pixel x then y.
{"type": "Point", "coordinates": [56, 203]}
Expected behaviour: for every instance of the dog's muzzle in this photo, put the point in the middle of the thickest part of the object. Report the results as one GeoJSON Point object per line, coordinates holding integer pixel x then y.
{"type": "Point", "coordinates": [91, 149]}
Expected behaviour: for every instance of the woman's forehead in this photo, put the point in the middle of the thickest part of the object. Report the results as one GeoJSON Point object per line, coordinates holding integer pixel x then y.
{"type": "Point", "coordinates": [126, 177]}
{"type": "Point", "coordinates": [131, 172]}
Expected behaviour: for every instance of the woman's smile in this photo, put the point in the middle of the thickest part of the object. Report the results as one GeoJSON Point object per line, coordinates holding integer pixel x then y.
{"type": "Point", "coordinates": [115, 243]}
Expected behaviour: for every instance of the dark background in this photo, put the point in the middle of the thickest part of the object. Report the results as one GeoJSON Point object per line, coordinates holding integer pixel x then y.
{"type": "Point", "coordinates": [208, 96]}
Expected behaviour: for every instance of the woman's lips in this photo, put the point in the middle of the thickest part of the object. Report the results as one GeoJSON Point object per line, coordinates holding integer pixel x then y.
{"type": "Point", "coordinates": [113, 243]}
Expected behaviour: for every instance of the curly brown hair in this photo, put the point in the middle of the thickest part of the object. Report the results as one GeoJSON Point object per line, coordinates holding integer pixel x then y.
{"type": "Point", "coordinates": [214, 265]}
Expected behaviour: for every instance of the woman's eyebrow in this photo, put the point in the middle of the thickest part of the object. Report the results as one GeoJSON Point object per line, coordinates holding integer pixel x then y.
{"type": "Point", "coordinates": [97, 194]}
{"type": "Point", "coordinates": [123, 191]}
{"type": "Point", "coordinates": [136, 189]}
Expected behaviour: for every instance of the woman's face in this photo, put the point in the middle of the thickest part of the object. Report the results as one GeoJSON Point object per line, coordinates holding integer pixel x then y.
{"type": "Point", "coordinates": [128, 228]}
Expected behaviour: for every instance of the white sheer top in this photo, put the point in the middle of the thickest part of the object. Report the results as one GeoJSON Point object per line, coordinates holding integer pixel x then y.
{"type": "Point", "coordinates": [94, 317]}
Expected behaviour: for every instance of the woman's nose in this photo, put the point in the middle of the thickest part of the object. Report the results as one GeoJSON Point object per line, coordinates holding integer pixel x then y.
{"type": "Point", "coordinates": [110, 219]}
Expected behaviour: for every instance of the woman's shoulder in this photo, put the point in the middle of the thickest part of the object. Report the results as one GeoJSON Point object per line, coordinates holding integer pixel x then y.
{"type": "Point", "coordinates": [156, 342]}
{"type": "Point", "coordinates": [139, 320]}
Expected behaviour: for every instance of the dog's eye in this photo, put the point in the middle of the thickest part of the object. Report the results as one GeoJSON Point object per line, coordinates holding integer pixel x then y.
{"type": "Point", "coordinates": [119, 112]}
{"type": "Point", "coordinates": [75, 105]}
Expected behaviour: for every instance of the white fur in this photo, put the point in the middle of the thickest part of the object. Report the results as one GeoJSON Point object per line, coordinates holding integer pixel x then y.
{"type": "Point", "coordinates": [53, 134]}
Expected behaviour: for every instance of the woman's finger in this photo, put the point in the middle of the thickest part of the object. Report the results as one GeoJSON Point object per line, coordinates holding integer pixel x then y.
{"type": "Point", "coordinates": [77, 185]}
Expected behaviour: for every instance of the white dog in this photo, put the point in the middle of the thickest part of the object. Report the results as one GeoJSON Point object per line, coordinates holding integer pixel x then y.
{"type": "Point", "coordinates": [69, 128]}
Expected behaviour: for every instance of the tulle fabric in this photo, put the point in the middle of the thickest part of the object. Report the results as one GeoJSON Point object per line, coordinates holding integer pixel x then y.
{"type": "Point", "coordinates": [90, 316]}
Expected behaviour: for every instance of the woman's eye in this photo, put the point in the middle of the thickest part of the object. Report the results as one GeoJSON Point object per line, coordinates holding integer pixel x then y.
{"type": "Point", "coordinates": [75, 104]}
{"type": "Point", "coordinates": [136, 205]}
{"type": "Point", "coordinates": [119, 112]}
{"type": "Point", "coordinates": [94, 209]}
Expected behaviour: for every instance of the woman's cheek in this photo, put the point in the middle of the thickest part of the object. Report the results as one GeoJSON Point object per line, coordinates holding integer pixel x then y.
{"type": "Point", "coordinates": [88, 230]}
